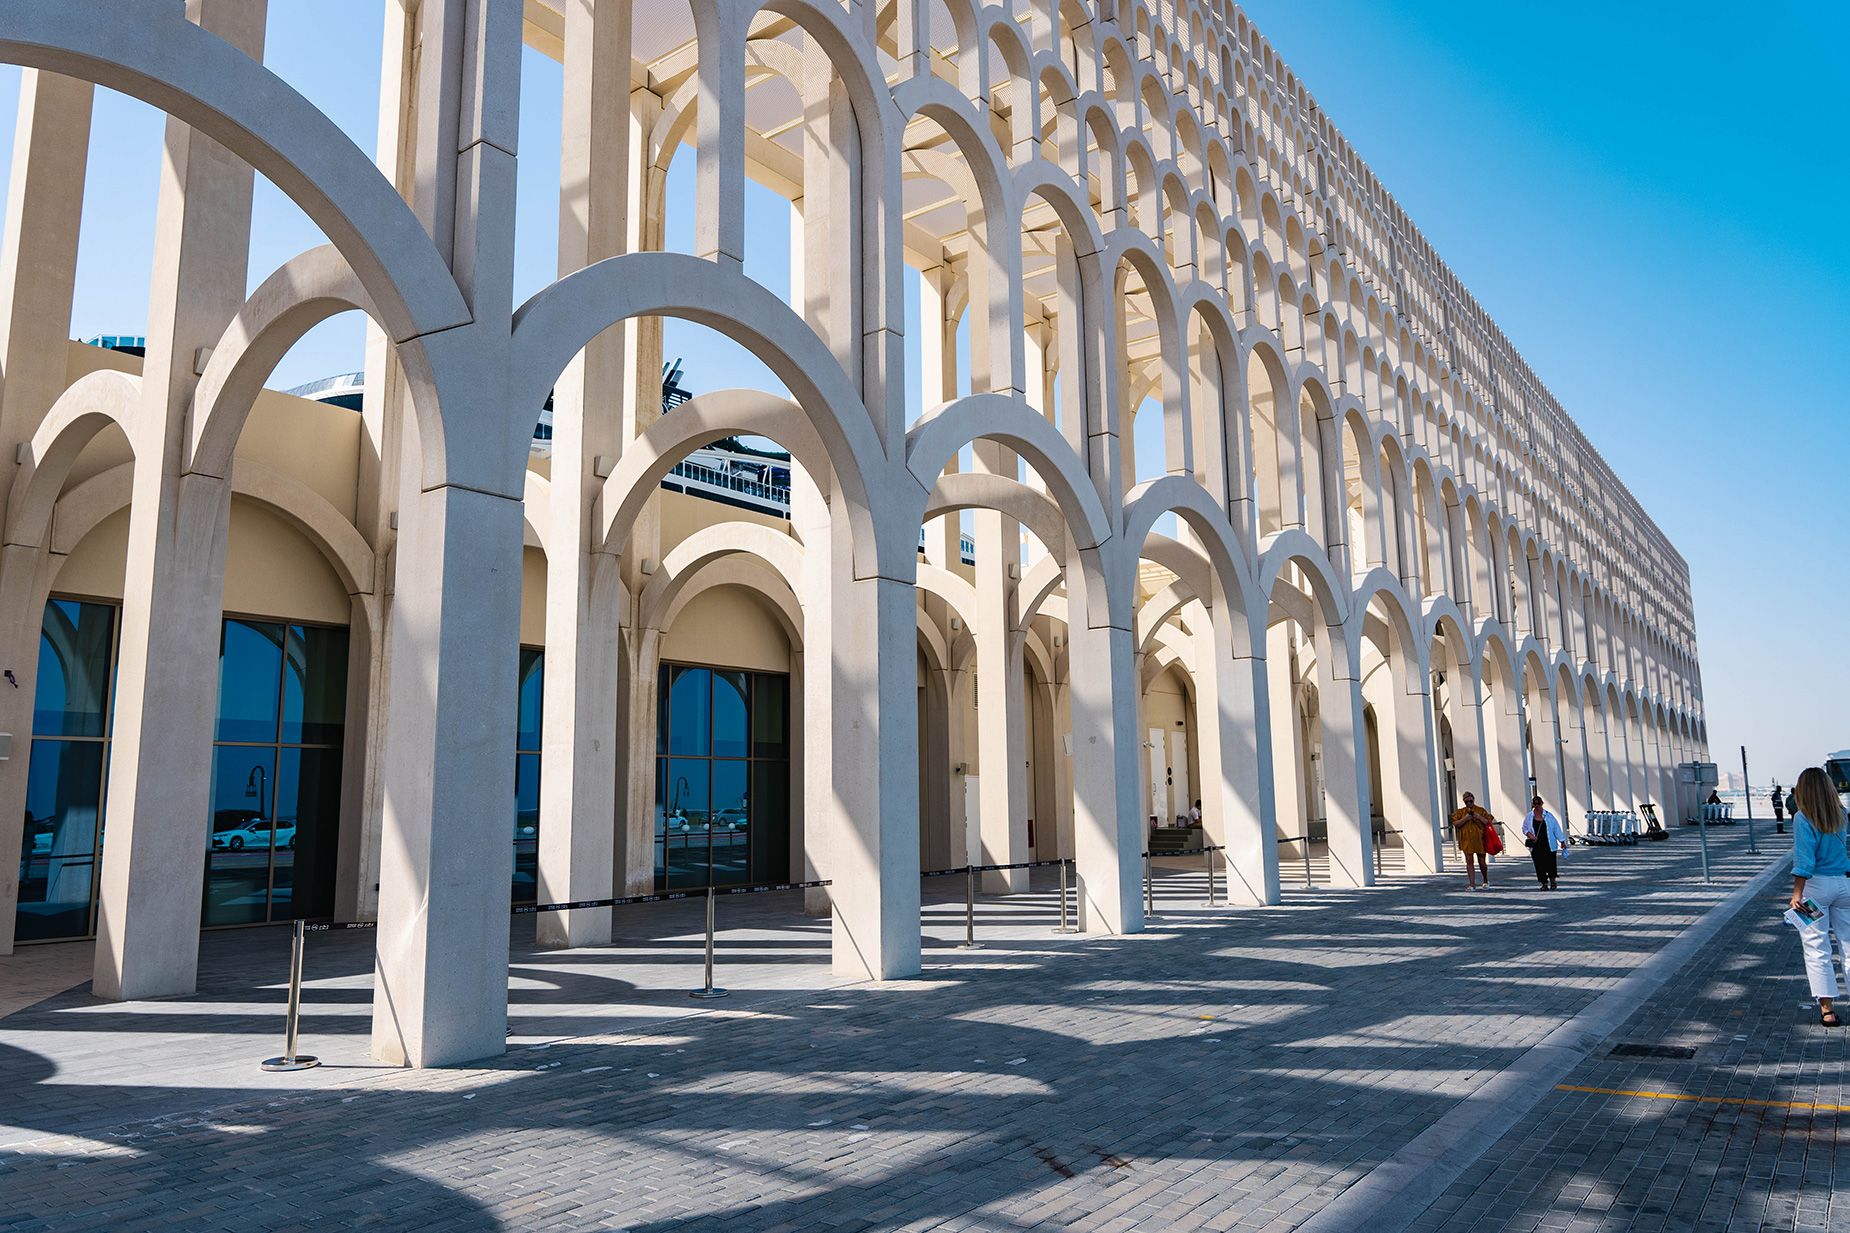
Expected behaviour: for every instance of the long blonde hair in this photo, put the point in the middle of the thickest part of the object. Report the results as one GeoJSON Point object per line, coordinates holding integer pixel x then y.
{"type": "Point", "coordinates": [1817, 800]}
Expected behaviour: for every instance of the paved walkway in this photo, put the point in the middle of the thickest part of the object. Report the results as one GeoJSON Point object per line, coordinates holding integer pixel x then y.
{"type": "Point", "coordinates": [1229, 1068]}
{"type": "Point", "coordinates": [1740, 1117]}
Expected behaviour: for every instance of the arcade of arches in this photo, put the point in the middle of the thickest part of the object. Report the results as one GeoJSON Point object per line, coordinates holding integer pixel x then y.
{"type": "Point", "coordinates": [1202, 477]}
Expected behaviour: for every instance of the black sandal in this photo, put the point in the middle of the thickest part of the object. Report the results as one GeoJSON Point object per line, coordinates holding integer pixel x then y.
{"type": "Point", "coordinates": [1828, 1018]}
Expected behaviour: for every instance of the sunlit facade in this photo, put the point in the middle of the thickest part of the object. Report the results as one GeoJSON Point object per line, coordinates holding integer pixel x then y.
{"type": "Point", "coordinates": [1213, 483]}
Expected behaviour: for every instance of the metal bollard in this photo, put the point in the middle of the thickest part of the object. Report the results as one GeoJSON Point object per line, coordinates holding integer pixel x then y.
{"type": "Point", "coordinates": [706, 990]}
{"type": "Point", "coordinates": [1209, 854]}
{"type": "Point", "coordinates": [969, 909]}
{"type": "Point", "coordinates": [1064, 927]}
{"type": "Point", "coordinates": [1149, 885]}
{"type": "Point", "coordinates": [1304, 847]}
{"type": "Point", "coordinates": [291, 1060]}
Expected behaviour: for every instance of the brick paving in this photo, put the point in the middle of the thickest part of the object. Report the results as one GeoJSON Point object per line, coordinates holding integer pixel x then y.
{"type": "Point", "coordinates": [1231, 1068]}
{"type": "Point", "coordinates": [1586, 1161]}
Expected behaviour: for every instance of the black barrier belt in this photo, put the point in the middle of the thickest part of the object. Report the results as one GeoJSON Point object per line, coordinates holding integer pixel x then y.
{"type": "Point", "coordinates": [1188, 852]}
{"type": "Point", "coordinates": [698, 892]}
{"type": "Point", "coordinates": [328, 926]}
{"type": "Point", "coordinates": [946, 873]}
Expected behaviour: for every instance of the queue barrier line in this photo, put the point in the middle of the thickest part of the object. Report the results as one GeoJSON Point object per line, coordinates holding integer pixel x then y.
{"type": "Point", "coordinates": [291, 1059]}
{"type": "Point", "coordinates": [1206, 851]}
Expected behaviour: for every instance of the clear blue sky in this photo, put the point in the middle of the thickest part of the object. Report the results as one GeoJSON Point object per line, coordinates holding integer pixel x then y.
{"type": "Point", "coordinates": [1652, 210]}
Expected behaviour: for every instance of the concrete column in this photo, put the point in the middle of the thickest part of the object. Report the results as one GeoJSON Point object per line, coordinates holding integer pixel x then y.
{"type": "Point", "coordinates": [954, 684]}
{"type": "Point", "coordinates": [1345, 769]}
{"type": "Point", "coordinates": [440, 994]}
{"type": "Point", "coordinates": [1508, 789]}
{"type": "Point", "coordinates": [38, 263]}
{"type": "Point", "coordinates": [1001, 731]}
{"type": "Point", "coordinates": [1415, 785]}
{"type": "Point", "coordinates": [440, 983]}
{"type": "Point", "coordinates": [579, 824]}
{"type": "Point", "coordinates": [1572, 800]}
{"type": "Point", "coordinates": [1060, 707]}
{"type": "Point", "coordinates": [160, 766]}
{"type": "Point", "coordinates": [1233, 741]}
{"type": "Point", "coordinates": [938, 381]}
{"type": "Point", "coordinates": [639, 685]}
{"type": "Point", "coordinates": [1285, 751]}
{"type": "Point", "coordinates": [1107, 815]}
{"type": "Point", "coordinates": [385, 417]}
{"type": "Point", "coordinates": [871, 639]}
{"type": "Point", "coordinates": [356, 877]}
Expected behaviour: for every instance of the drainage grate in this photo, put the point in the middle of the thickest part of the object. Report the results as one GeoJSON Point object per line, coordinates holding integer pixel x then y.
{"type": "Point", "coordinates": [1684, 1051]}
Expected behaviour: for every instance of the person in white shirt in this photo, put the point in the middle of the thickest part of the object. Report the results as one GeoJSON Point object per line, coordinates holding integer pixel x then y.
{"type": "Point", "coordinates": [1194, 814]}
{"type": "Point", "coordinates": [1542, 831]}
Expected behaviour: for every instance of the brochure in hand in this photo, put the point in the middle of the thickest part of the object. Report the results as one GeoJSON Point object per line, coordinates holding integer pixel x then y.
{"type": "Point", "coordinates": [1805, 916]}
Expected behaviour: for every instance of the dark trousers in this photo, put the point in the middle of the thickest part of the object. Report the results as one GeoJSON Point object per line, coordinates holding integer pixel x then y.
{"type": "Point", "coordinates": [1546, 862]}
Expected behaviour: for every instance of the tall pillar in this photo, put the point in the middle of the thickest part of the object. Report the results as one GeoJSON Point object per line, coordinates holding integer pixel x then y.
{"type": "Point", "coordinates": [38, 267]}
{"type": "Point", "coordinates": [1285, 751]}
{"type": "Point", "coordinates": [1233, 740]}
{"type": "Point", "coordinates": [440, 993]}
{"type": "Point", "coordinates": [1345, 770]}
{"type": "Point", "coordinates": [1107, 816]}
{"type": "Point", "coordinates": [579, 824]}
{"type": "Point", "coordinates": [1001, 730]}
{"type": "Point", "coordinates": [160, 765]}
{"type": "Point", "coordinates": [440, 979]}
{"type": "Point", "coordinates": [1415, 783]}
{"type": "Point", "coordinates": [1508, 791]}
{"type": "Point", "coordinates": [873, 847]}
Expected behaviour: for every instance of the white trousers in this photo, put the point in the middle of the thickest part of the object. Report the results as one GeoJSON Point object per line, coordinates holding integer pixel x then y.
{"type": "Point", "coordinates": [1832, 893]}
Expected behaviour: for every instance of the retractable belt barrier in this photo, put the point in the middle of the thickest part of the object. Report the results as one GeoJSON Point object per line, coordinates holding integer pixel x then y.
{"type": "Point", "coordinates": [291, 1060]}
{"type": "Point", "coordinates": [969, 873]}
{"type": "Point", "coordinates": [1149, 877]}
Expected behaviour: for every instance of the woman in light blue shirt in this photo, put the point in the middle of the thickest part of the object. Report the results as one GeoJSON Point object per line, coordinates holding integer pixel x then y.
{"type": "Point", "coordinates": [1821, 874]}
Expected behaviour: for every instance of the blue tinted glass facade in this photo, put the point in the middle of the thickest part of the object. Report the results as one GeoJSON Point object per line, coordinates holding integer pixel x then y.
{"type": "Point", "coordinates": [722, 781]}
{"type": "Point", "coordinates": [270, 844]}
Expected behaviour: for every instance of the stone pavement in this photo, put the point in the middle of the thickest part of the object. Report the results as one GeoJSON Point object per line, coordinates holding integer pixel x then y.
{"type": "Point", "coordinates": [1231, 1068]}
{"type": "Point", "coordinates": [1749, 1151]}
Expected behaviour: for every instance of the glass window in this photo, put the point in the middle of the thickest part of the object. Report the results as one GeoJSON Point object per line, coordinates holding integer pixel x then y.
{"type": "Point", "coordinates": [250, 662]}
{"type": "Point", "coordinates": [532, 693]}
{"type": "Point", "coordinates": [75, 645]}
{"type": "Point", "coordinates": [690, 727]}
{"type": "Point", "coordinates": [685, 826]}
{"type": "Point", "coordinates": [770, 715]}
{"type": "Point", "coordinates": [722, 777]}
{"type": "Point", "coordinates": [731, 725]}
{"type": "Point", "coordinates": [304, 860]}
{"type": "Point", "coordinates": [526, 827]}
{"type": "Point", "coordinates": [314, 685]}
{"type": "Point", "coordinates": [731, 826]}
{"type": "Point", "coordinates": [276, 778]}
{"type": "Point", "coordinates": [57, 858]}
{"type": "Point", "coordinates": [243, 833]}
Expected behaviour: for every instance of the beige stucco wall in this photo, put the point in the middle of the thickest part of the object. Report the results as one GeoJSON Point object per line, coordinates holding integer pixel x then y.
{"type": "Point", "coordinates": [729, 626]}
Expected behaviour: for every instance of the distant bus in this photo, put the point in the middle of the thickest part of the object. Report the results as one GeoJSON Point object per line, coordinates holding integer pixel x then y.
{"type": "Point", "coordinates": [1837, 766]}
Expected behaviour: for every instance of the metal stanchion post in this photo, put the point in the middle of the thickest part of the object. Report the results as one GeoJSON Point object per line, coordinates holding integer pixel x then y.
{"type": "Point", "coordinates": [1304, 847]}
{"type": "Point", "coordinates": [1748, 792]}
{"type": "Point", "coordinates": [706, 990]}
{"type": "Point", "coordinates": [1702, 829]}
{"type": "Point", "coordinates": [1149, 885]}
{"type": "Point", "coordinates": [291, 1060]}
{"type": "Point", "coordinates": [1208, 853]}
{"type": "Point", "coordinates": [969, 908]}
{"type": "Point", "coordinates": [1063, 927]}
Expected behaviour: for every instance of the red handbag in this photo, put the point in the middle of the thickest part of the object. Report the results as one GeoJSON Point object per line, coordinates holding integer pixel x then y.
{"type": "Point", "coordinates": [1493, 842]}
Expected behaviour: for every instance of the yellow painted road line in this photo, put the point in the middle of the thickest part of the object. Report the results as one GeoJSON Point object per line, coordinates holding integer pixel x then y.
{"type": "Point", "coordinates": [1707, 1100]}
